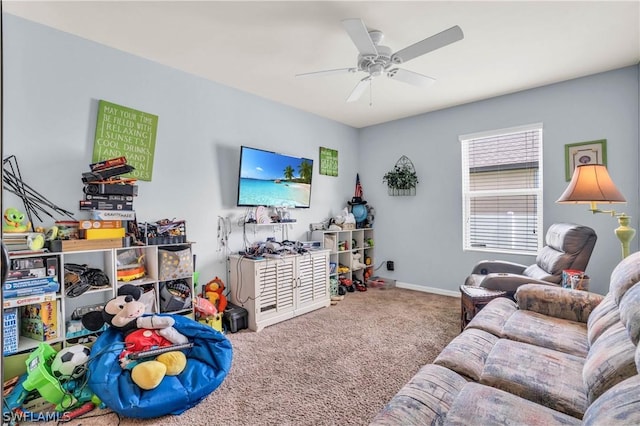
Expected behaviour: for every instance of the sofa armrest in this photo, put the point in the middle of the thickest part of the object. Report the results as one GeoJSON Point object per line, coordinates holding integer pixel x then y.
{"type": "Point", "coordinates": [509, 282]}
{"type": "Point", "coordinates": [485, 267]}
{"type": "Point", "coordinates": [558, 302]}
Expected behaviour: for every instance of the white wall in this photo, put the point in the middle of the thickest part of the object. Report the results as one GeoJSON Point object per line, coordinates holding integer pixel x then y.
{"type": "Point", "coordinates": [423, 234]}
{"type": "Point", "coordinates": [53, 82]}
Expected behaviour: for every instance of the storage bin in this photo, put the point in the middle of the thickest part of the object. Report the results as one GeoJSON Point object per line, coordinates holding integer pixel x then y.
{"type": "Point", "coordinates": [235, 318]}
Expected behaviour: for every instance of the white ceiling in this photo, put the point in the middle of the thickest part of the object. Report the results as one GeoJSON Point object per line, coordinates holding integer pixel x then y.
{"type": "Point", "coordinates": [260, 46]}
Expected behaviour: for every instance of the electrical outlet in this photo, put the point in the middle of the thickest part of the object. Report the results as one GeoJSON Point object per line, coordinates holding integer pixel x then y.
{"type": "Point", "coordinates": [390, 265]}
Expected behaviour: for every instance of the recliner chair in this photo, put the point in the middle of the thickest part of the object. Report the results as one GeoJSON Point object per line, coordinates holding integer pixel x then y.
{"type": "Point", "coordinates": [568, 246]}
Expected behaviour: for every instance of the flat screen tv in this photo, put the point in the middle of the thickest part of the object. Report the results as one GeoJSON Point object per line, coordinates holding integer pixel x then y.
{"type": "Point", "coordinates": [271, 179]}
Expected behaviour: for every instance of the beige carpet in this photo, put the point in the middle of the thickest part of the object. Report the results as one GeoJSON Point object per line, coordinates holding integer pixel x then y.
{"type": "Point", "coordinates": [334, 366]}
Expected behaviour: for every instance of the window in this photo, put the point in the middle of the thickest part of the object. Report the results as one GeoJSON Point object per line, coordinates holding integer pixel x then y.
{"type": "Point", "coordinates": [502, 190]}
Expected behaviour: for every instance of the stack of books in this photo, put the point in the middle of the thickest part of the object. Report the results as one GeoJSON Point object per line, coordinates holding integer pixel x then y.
{"type": "Point", "coordinates": [15, 241]}
{"type": "Point", "coordinates": [30, 277]}
{"type": "Point", "coordinates": [109, 198]}
{"type": "Point", "coordinates": [21, 242]}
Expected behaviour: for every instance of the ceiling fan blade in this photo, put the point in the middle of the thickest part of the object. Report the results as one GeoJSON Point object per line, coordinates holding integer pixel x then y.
{"type": "Point", "coordinates": [427, 45]}
{"type": "Point", "coordinates": [360, 37]}
{"type": "Point", "coordinates": [327, 72]}
{"type": "Point", "coordinates": [359, 89]}
{"type": "Point", "coordinates": [410, 77]}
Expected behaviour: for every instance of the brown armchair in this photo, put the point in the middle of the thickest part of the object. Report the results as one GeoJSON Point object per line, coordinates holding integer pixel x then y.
{"type": "Point", "coordinates": [568, 246]}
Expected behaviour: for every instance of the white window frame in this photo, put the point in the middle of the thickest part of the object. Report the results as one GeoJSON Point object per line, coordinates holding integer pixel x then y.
{"type": "Point", "coordinates": [468, 195]}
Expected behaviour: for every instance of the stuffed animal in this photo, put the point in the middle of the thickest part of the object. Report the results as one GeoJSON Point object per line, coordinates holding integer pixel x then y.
{"type": "Point", "coordinates": [345, 217]}
{"type": "Point", "coordinates": [213, 291]}
{"type": "Point", "coordinates": [125, 313]}
{"type": "Point", "coordinates": [13, 219]}
{"type": "Point", "coordinates": [356, 264]}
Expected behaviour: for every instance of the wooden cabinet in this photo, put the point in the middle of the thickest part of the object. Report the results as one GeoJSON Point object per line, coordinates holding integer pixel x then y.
{"type": "Point", "coordinates": [275, 289]}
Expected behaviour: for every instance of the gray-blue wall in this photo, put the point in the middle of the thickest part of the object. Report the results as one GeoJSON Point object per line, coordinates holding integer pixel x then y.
{"type": "Point", "coordinates": [54, 80]}
{"type": "Point", "coordinates": [423, 234]}
{"type": "Point", "coordinates": [52, 84]}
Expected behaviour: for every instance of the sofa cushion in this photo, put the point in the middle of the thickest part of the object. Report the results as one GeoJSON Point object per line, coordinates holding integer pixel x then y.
{"type": "Point", "coordinates": [536, 272]}
{"type": "Point", "coordinates": [541, 375]}
{"type": "Point", "coordinates": [424, 400]}
{"type": "Point", "coordinates": [620, 405]}
{"type": "Point", "coordinates": [603, 316]}
{"type": "Point", "coordinates": [549, 332]}
{"type": "Point", "coordinates": [493, 316]}
{"type": "Point", "coordinates": [610, 361]}
{"type": "Point", "coordinates": [500, 408]}
{"type": "Point", "coordinates": [630, 312]}
{"type": "Point", "coordinates": [624, 276]}
{"type": "Point", "coordinates": [572, 305]}
{"type": "Point", "coordinates": [467, 353]}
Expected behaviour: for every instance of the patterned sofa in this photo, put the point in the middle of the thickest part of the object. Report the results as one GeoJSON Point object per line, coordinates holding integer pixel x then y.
{"type": "Point", "coordinates": [554, 357]}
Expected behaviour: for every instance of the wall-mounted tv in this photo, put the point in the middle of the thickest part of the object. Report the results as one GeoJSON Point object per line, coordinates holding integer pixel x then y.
{"type": "Point", "coordinates": [271, 179]}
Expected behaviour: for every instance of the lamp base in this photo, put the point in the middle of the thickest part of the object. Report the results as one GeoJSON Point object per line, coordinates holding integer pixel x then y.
{"type": "Point", "coordinates": [625, 233]}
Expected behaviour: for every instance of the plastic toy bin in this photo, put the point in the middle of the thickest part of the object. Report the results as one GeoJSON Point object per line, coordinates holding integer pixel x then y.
{"type": "Point", "coordinates": [40, 377]}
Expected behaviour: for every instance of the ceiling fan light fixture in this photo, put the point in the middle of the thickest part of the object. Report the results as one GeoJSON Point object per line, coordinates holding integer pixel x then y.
{"type": "Point", "coordinates": [376, 70]}
{"type": "Point", "coordinates": [376, 60]}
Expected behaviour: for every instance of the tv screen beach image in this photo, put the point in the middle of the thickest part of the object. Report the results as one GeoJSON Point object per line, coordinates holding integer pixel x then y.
{"type": "Point", "coordinates": [272, 179]}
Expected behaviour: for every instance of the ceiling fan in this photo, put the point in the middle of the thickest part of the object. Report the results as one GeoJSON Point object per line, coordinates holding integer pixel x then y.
{"type": "Point", "coordinates": [376, 59]}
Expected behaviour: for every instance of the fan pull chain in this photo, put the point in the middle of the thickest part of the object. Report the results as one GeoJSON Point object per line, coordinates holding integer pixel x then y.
{"type": "Point", "coordinates": [371, 93]}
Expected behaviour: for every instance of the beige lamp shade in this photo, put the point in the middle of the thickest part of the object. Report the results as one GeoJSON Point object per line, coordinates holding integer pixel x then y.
{"type": "Point", "coordinates": [591, 183]}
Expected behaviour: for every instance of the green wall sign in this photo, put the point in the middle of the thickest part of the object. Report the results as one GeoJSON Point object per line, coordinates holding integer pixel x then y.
{"type": "Point", "coordinates": [122, 131]}
{"type": "Point", "coordinates": [328, 162]}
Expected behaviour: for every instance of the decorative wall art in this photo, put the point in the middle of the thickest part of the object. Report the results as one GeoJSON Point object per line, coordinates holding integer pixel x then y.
{"type": "Point", "coordinates": [126, 132]}
{"type": "Point", "coordinates": [402, 180]}
{"type": "Point", "coordinates": [591, 152]}
{"type": "Point", "coordinates": [328, 162]}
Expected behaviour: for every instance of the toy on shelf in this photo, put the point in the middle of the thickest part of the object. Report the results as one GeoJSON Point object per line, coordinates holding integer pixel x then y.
{"type": "Point", "coordinates": [367, 274]}
{"type": "Point", "coordinates": [13, 219]}
{"type": "Point", "coordinates": [141, 333]}
{"type": "Point", "coordinates": [131, 265]}
{"type": "Point", "coordinates": [356, 264]}
{"type": "Point", "coordinates": [342, 269]}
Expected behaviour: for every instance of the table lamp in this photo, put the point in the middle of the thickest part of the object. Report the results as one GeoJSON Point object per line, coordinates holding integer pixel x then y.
{"type": "Point", "coordinates": [591, 184]}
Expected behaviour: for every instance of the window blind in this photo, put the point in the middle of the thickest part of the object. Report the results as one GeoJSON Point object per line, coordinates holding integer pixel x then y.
{"type": "Point", "coordinates": [502, 190]}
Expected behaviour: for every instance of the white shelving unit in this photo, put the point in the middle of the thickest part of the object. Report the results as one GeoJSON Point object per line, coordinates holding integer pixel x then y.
{"type": "Point", "coordinates": [273, 290]}
{"type": "Point", "coordinates": [105, 260]}
{"type": "Point", "coordinates": [343, 245]}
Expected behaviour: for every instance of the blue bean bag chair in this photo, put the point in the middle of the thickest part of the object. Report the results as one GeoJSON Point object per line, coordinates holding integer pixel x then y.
{"type": "Point", "coordinates": [208, 362]}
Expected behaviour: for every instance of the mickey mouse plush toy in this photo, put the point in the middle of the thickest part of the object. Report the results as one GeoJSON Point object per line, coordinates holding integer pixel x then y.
{"type": "Point", "coordinates": [125, 313]}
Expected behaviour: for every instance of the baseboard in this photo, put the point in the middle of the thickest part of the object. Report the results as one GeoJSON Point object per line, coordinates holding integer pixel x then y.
{"type": "Point", "coordinates": [425, 289]}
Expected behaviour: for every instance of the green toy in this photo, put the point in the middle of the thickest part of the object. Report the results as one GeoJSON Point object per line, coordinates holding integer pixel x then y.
{"type": "Point", "coordinates": [13, 219]}
{"type": "Point", "coordinates": [40, 378]}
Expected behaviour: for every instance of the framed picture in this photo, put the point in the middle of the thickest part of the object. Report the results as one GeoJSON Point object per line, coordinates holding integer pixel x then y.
{"type": "Point", "coordinates": [592, 152]}
{"type": "Point", "coordinates": [328, 162]}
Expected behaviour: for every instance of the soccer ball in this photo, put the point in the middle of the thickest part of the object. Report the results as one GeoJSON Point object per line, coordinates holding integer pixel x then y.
{"type": "Point", "coordinates": [65, 362]}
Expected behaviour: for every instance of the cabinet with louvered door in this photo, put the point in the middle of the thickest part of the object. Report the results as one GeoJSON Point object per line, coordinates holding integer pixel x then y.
{"type": "Point", "coordinates": [276, 289]}
{"type": "Point", "coordinates": [313, 281]}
